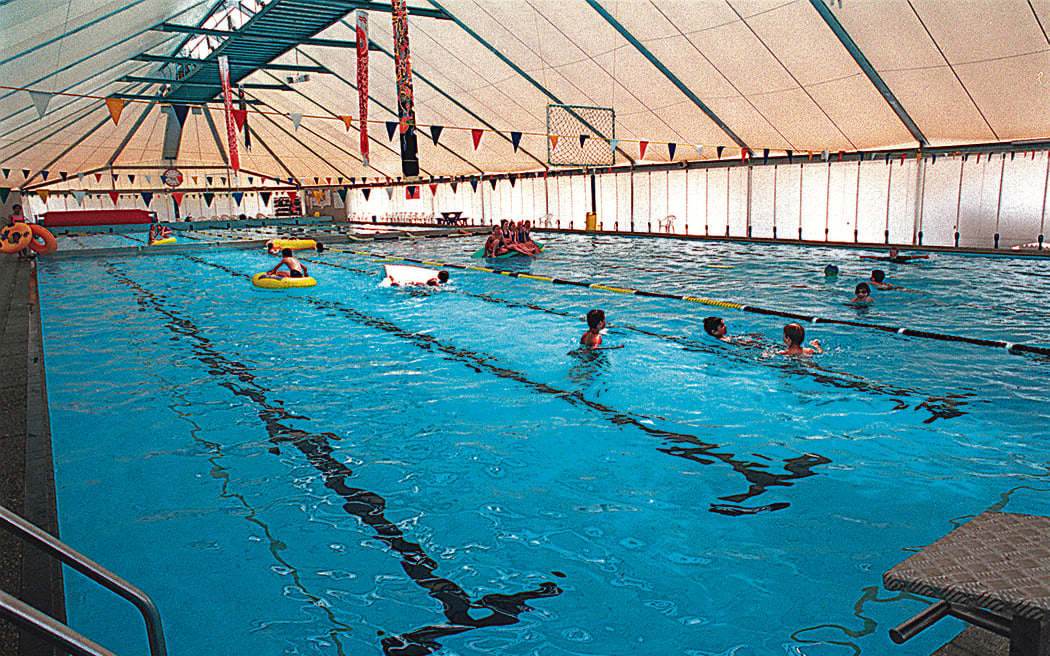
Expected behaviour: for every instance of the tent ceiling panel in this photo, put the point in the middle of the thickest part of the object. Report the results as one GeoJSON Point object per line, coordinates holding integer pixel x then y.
{"type": "Point", "coordinates": [939, 105]}
{"type": "Point", "coordinates": [1015, 107]}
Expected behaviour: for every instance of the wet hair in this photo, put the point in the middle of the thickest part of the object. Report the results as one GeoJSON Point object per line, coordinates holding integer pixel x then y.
{"type": "Point", "coordinates": [443, 276]}
{"type": "Point", "coordinates": [795, 332]}
{"type": "Point", "coordinates": [286, 252]}
{"type": "Point", "coordinates": [595, 317]}
{"type": "Point", "coordinates": [862, 287]}
{"type": "Point", "coordinates": [878, 275]}
{"type": "Point", "coordinates": [242, 217]}
{"type": "Point", "coordinates": [711, 325]}
{"type": "Point", "coordinates": [831, 270]}
{"type": "Point", "coordinates": [320, 247]}
{"type": "Point", "coordinates": [16, 208]}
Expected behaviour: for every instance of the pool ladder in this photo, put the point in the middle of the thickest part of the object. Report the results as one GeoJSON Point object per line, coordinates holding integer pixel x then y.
{"type": "Point", "coordinates": [51, 629]}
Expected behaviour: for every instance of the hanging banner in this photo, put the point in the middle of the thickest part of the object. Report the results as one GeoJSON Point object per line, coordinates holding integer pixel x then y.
{"type": "Point", "coordinates": [362, 82]}
{"type": "Point", "coordinates": [231, 123]}
{"type": "Point", "coordinates": [406, 113]}
{"type": "Point", "coordinates": [243, 108]}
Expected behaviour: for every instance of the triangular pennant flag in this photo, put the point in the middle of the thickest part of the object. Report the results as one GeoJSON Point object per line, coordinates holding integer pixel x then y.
{"type": "Point", "coordinates": [131, 178]}
{"type": "Point", "coordinates": [26, 172]}
{"type": "Point", "coordinates": [297, 118]}
{"type": "Point", "coordinates": [180, 112]}
{"type": "Point", "coordinates": [317, 180]}
{"type": "Point", "coordinates": [208, 179]}
{"type": "Point", "coordinates": [328, 180]}
{"type": "Point", "coordinates": [391, 129]}
{"type": "Point", "coordinates": [789, 154]}
{"type": "Point", "coordinates": [194, 178]}
{"type": "Point", "coordinates": [265, 196]}
{"type": "Point", "coordinates": [79, 195]}
{"type": "Point", "coordinates": [239, 117]}
{"type": "Point", "coordinates": [147, 198]}
{"type": "Point", "coordinates": [513, 178]}
{"type": "Point", "coordinates": [435, 132]}
{"type": "Point", "coordinates": [367, 191]}
{"type": "Point", "coordinates": [841, 153]}
{"type": "Point", "coordinates": [115, 176]}
{"type": "Point", "coordinates": [6, 173]}
{"type": "Point", "coordinates": [493, 180]}
{"type": "Point", "coordinates": [318, 195]}
{"type": "Point", "coordinates": [238, 196]}
{"type": "Point", "coordinates": [411, 192]}
{"type": "Point", "coordinates": [4, 193]}
{"type": "Point", "coordinates": [671, 147]}
{"type": "Point", "coordinates": [342, 195]}
{"type": "Point", "coordinates": [613, 143]}
{"type": "Point", "coordinates": [251, 180]}
{"type": "Point", "coordinates": [43, 193]}
{"type": "Point", "coordinates": [339, 180]}
{"type": "Point", "coordinates": [44, 173]}
{"type": "Point", "coordinates": [642, 145]}
{"type": "Point", "coordinates": [719, 150]}
{"type": "Point", "coordinates": [554, 141]}
{"type": "Point", "coordinates": [348, 121]}
{"type": "Point", "coordinates": [475, 134]}
{"type": "Point", "coordinates": [40, 101]}
{"type": "Point", "coordinates": [765, 155]}
{"type": "Point", "coordinates": [80, 177]}
{"type": "Point", "coordinates": [474, 184]}
{"type": "Point", "coordinates": [583, 139]}
{"type": "Point", "coordinates": [208, 198]}
{"type": "Point", "coordinates": [433, 190]}
{"type": "Point", "coordinates": [177, 197]}
{"type": "Point", "coordinates": [453, 185]}
{"type": "Point", "coordinates": [824, 155]}
{"type": "Point", "coordinates": [515, 140]}
{"type": "Point", "coordinates": [116, 106]}
{"type": "Point", "coordinates": [114, 195]}
{"type": "Point", "coordinates": [390, 193]}
{"type": "Point", "coordinates": [98, 177]}
{"type": "Point", "coordinates": [63, 175]}
{"type": "Point", "coordinates": [699, 152]}
{"type": "Point", "coordinates": [222, 180]}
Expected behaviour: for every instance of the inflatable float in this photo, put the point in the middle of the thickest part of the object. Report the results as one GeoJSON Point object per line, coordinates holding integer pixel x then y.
{"type": "Point", "coordinates": [15, 237]}
{"type": "Point", "coordinates": [163, 242]}
{"type": "Point", "coordinates": [481, 253]}
{"type": "Point", "coordinates": [403, 274]}
{"type": "Point", "coordinates": [47, 244]}
{"type": "Point", "coordinates": [266, 281]}
{"type": "Point", "coordinates": [294, 244]}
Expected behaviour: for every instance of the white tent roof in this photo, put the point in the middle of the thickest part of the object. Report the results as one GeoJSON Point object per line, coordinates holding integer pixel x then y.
{"type": "Point", "coordinates": [768, 74]}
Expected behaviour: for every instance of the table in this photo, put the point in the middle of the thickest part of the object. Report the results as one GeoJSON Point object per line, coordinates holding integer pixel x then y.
{"type": "Point", "coordinates": [451, 218]}
{"type": "Point", "coordinates": [996, 561]}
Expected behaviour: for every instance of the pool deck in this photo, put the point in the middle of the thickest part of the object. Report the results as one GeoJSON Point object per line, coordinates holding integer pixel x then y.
{"type": "Point", "coordinates": [27, 485]}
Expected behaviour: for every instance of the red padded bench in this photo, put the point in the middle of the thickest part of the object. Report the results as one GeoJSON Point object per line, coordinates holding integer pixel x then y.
{"type": "Point", "coordinates": [62, 219]}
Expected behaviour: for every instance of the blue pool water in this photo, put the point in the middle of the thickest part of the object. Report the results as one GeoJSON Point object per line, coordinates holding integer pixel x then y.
{"type": "Point", "coordinates": [358, 469]}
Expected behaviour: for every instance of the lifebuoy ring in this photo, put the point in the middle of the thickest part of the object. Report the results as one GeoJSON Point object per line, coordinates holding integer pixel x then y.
{"type": "Point", "coordinates": [15, 237]}
{"type": "Point", "coordinates": [48, 243]}
{"type": "Point", "coordinates": [265, 281]}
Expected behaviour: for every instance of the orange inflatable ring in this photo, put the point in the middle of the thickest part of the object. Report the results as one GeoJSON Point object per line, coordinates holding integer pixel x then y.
{"type": "Point", "coordinates": [14, 238]}
{"type": "Point", "coordinates": [47, 245]}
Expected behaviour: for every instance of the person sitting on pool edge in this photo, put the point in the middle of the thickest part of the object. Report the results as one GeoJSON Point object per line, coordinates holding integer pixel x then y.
{"type": "Point", "coordinates": [794, 335]}
{"type": "Point", "coordinates": [296, 269]}
{"type": "Point", "coordinates": [863, 296]}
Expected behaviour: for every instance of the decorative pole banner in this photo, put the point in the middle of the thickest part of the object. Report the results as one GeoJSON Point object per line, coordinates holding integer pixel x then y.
{"type": "Point", "coordinates": [362, 81]}
{"type": "Point", "coordinates": [406, 113]}
{"type": "Point", "coordinates": [231, 123]}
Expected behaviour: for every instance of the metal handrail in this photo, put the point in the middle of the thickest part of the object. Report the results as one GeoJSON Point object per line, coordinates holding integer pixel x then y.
{"type": "Point", "coordinates": [93, 571]}
{"type": "Point", "coordinates": [48, 627]}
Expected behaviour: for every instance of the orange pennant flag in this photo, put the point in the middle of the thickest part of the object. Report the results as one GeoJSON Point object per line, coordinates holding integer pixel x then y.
{"type": "Point", "coordinates": [554, 141]}
{"type": "Point", "coordinates": [43, 193]}
{"type": "Point", "coordinates": [116, 106]}
{"type": "Point", "coordinates": [347, 121]}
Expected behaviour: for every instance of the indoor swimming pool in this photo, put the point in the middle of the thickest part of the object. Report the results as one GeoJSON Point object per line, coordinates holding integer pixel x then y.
{"type": "Point", "coordinates": [359, 469]}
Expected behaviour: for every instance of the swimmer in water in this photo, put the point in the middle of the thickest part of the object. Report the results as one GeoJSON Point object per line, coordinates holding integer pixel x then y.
{"type": "Point", "coordinates": [716, 327]}
{"type": "Point", "coordinates": [895, 257]}
{"type": "Point", "coordinates": [863, 295]}
{"type": "Point", "coordinates": [593, 338]}
{"type": "Point", "coordinates": [794, 335]}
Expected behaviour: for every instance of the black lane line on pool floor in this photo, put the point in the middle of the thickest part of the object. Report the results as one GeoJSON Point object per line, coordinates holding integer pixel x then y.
{"type": "Point", "coordinates": [705, 453]}
{"type": "Point", "coordinates": [940, 407]}
{"type": "Point", "coordinates": [367, 506]}
{"type": "Point", "coordinates": [909, 332]}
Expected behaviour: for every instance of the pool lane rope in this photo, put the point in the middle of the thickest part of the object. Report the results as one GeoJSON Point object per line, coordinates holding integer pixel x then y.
{"type": "Point", "coordinates": [910, 332]}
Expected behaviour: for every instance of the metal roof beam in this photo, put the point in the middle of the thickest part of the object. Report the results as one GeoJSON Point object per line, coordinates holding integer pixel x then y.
{"type": "Point", "coordinates": [163, 100]}
{"type": "Point", "coordinates": [164, 80]}
{"type": "Point", "coordinates": [255, 36]}
{"type": "Point", "coordinates": [633, 40]}
{"type": "Point", "coordinates": [233, 64]}
{"type": "Point", "coordinates": [873, 76]}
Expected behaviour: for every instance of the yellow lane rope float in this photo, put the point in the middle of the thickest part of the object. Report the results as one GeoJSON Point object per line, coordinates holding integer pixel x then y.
{"type": "Point", "coordinates": [1009, 346]}
{"type": "Point", "coordinates": [47, 244]}
{"type": "Point", "coordinates": [15, 237]}
{"type": "Point", "coordinates": [266, 281]}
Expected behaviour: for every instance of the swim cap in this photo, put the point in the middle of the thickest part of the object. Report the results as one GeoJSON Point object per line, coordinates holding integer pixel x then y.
{"type": "Point", "coordinates": [831, 270]}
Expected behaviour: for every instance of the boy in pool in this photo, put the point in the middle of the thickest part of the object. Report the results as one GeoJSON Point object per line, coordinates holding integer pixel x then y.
{"type": "Point", "coordinates": [863, 296]}
{"type": "Point", "coordinates": [593, 338]}
{"type": "Point", "coordinates": [442, 278]}
{"type": "Point", "coordinates": [794, 335]}
{"type": "Point", "coordinates": [878, 277]}
{"type": "Point", "coordinates": [296, 269]}
{"type": "Point", "coordinates": [716, 327]}
{"type": "Point", "coordinates": [895, 257]}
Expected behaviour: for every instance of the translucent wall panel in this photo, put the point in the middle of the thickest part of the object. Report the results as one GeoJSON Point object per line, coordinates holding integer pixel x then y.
{"type": "Point", "coordinates": [643, 220]}
{"type": "Point", "coordinates": [738, 202]}
{"type": "Point", "coordinates": [940, 202]}
{"type": "Point", "coordinates": [762, 197]}
{"type": "Point", "coordinates": [788, 201]}
{"type": "Point", "coordinates": [718, 202]}
{"type": "Point", "coordinates": [1022, 203]}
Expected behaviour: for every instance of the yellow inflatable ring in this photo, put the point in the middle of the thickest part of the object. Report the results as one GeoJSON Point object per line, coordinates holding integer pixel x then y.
{"type": "Point", "coordinates": [294, 244]}
{"type": "Point", "coordinates": [47, 245]}
{"type": "Point", "coordinates": [14, 238]}
{"type": "Point", "coordinates": [266, 281]}
{"type": "Point", "coordinates": [163, 242]}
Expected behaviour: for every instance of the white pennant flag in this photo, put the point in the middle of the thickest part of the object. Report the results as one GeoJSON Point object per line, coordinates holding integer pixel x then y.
{"type": "Point", "coordinates": [390, 193]}
{"type": "Point", "coordinates": [79, 195]}
{"type": "Point", "coordinates": [699, 152]}
{"type": "Point", "coordinates": [40, 100]}
{"type": "Point", "coordinates": [149, 180]}
{"type": "Point", "coordinates": [296, 119]}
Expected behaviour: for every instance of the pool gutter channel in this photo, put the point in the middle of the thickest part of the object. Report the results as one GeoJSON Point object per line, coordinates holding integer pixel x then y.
{"type": "Point", "coordinates": [25, 457]}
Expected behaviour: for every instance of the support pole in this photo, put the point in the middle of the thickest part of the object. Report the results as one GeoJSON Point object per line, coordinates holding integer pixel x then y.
{"type": "Point", "coordinates": [999, 203]}
{"type": "Point", "coordinates": [958, 202]}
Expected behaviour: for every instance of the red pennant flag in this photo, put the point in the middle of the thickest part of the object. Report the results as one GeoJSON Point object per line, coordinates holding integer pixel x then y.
{"type": "Point", "coordinates": [434, 189]}
{"type": "Point", "coordinates": [239, 117]}
{"type": "Point", "coordinates": [114, 195]}
{"type": "Point", "coordinates": [476, 135]}
{"type": "Point", "coordinates": [642, 145]}
{"type": "Point", "coordinates": [98, 177]}
{"type": "Point", "coordinates": [177, 196]}
{"type": "Point", "coordinates": [328, 180]}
